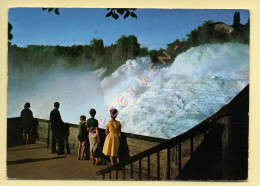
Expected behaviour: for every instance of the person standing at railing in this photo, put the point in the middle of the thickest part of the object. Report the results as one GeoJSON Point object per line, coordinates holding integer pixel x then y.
{"type": "Point", "coordinates": [57, 127]}
{"type": "Point", "coordinates": [112, 141]}
{"type": "Point", "coordinates": [82, 137]}
{"type": "Point", "coordinates": [93, 135]}
{"type": "Point", "coordinates": [27, 122]}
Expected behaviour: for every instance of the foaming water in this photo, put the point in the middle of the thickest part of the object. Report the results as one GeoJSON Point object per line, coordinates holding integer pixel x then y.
{"type": "Point", "coordinates": [198, 83]}
{"type": "Point", "coordinates": [195, 86]}
{"type": "Point", "coordinates": [77, 91]}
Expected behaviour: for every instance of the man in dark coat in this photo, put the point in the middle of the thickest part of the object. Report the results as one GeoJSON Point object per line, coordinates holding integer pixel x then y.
{"type": "Point", "coordinates": [27, 121]}
{"type": "Point", "coordinates": [57, 126]}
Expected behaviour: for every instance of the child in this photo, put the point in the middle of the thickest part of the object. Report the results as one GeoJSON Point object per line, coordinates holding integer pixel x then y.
{"type": "Point", "coordinates": [112, 141]}
{"type": "Point", "coordinates": [93, 135]}
{"type": "Point", "coordinates": [82, 137]}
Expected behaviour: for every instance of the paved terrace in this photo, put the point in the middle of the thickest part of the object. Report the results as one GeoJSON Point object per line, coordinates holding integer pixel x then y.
{"type": "Point", "coordinates": [36, 162]}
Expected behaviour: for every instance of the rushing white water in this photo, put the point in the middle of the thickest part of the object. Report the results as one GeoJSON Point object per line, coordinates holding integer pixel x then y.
{"type": "Point", "coordinates": [195, 86]}
{"type": "Point", "coordinates": [198, 83]}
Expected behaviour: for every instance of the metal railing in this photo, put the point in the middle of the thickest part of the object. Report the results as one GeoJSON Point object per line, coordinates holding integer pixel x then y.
{"type": "Point", "coordinates": [169, 144]}
{"type": "Point", "coordinates": [202, 128]}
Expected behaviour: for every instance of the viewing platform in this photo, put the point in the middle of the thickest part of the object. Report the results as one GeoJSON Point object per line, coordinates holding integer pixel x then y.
{"type": "Point", "coordinates": [215, 149]}
{"type": "Point", "coordinates": [35, 161]}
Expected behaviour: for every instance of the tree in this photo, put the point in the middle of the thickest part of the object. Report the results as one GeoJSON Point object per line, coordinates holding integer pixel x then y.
{"type": "Point", "coordinates": [143, 51]}
{"type": "Point", "coordinates": [122, 44]}
{"type": "Point", "coordinates": [248, 24]}
{"type": "Point", "coordinates": [128, 46]}
{"type": "Point", "coordinates": [154, 55]}
{"type": "Point", "coordinates": [236, 20]}
{"type": "Point", "coordinates": [133, 46]}
{"type": "Point", "coordinates": [97, 46]}
{"type": "Point", "coordinates": [10, 27]}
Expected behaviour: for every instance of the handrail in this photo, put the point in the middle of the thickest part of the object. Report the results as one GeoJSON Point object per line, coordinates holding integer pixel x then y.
{"type": "Point", "coordinates": [164, 145]}
{"type": "Point", "coordinates": [203, 127]}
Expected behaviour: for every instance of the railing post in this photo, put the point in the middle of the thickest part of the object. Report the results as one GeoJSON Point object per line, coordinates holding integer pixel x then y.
{"type": "Point", "coordinates": [191, 146]}
{"type": "Point", "coordinates": [131, 170]}
{"type": "Point", "coordinates": [116, 174]}
{"type": "Point", "coordinates": [176, 154]}
{"type": "Point", "coordinates": [140, 169]}
{"type": "Point", "coordinates": [109, 175]}
{"type": "Point", "coordinates": [123, 173]}
{"type": "Point", "coordinates": [148, 169]}
{"type": "Point", "coordinates": [103, 176]}
{"type": "Point", "coordinates": [179, 165]}
{"type": "Point", "coordinates": [168, 164]}
{"type": "Point", "coordinates": [158, 165]}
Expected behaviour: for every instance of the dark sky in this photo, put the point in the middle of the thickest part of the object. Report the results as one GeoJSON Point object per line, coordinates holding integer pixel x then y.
{"type": "Point", "coordinates": [154, 27]}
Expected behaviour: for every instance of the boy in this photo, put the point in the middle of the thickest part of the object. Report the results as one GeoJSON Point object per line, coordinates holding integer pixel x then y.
{"type": "Point", "coordinates": [82, 137]}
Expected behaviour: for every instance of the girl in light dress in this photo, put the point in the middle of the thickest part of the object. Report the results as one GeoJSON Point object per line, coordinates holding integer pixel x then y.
{"type": "Point", "coordinates": [113, 132]}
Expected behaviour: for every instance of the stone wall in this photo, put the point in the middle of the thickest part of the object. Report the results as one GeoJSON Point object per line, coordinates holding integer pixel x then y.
{"type": "Point", "coordinates": [130, 145]}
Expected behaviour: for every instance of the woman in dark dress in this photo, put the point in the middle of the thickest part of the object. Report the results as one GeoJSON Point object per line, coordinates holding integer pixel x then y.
{"type": "Point", "coordinates": [27, 121]}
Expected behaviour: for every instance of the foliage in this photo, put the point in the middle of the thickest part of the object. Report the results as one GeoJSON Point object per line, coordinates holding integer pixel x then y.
{"type": "Point", "coordinates": [208, 34]}
{"type": "Point", "coordinates": [10, 35]}
{"type": "Point", "coordinates": [96, 55]}
{"type": "Point", "coordinates": [56, 10]}
{"type": "Point", "coordinates": [128, 46]}
{"type": "Point", "coordinates": [97, 46]}
{"type": "Point", "coordinates": [236, 20]}
{"type": "Point", "coordinates": [143, 51]}
{"type": "Point", "coordinates": [125, 12]}
{"type": "Point", "coordinates": [112, 12]}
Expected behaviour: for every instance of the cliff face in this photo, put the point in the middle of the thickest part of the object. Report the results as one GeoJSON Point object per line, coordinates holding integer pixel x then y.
{"type": "Point", "coordinates": [223, 28]}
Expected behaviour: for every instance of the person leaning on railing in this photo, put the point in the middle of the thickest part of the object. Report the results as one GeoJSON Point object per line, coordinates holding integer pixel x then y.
{"type": "Point", "coordinates": [113, 132]}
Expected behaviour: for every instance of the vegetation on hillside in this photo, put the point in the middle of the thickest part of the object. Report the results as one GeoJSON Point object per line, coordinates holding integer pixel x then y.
{"type": "Point", "coordinates": [96, 55]}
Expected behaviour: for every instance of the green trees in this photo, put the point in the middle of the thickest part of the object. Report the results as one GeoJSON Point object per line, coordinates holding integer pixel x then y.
{"type": "Point", "coordinates": [241, 32]}
{"type": "Point", "coordinates": [236, 20]}
{"type": "Point", "coordinates": [143, 51]}
{"type": "Point", "coordinates": [128, 46]}
{"type": "Point", "coordinates": [154, 55]}
{"type": "Point", "coordinates": [97, 46]}
{"type": "Point", "coordinates": [96, 55]}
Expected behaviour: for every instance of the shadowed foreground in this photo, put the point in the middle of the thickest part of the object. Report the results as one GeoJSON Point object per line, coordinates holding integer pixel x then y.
{"type": "Point", "coordinates": [34, 161]}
